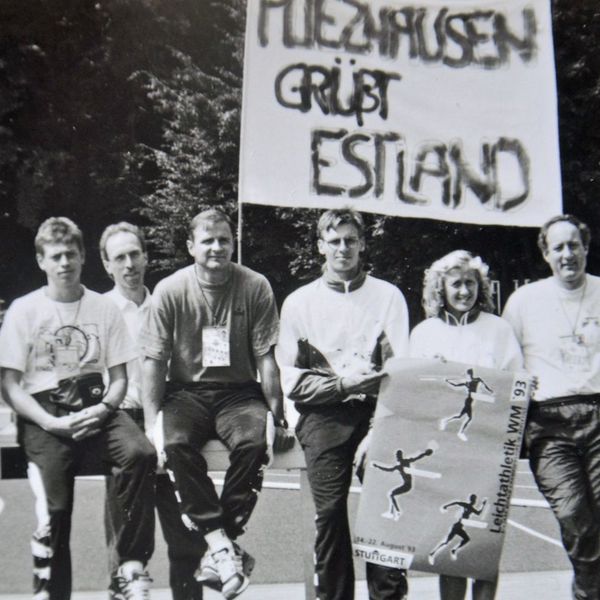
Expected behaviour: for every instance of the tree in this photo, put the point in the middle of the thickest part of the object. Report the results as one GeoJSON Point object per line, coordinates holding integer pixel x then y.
{"type": "Point", "coordinates": [131, 109]}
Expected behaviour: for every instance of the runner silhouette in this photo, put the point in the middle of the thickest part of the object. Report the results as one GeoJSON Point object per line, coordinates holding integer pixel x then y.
{"type": "Point", "coordinates": [471, 384]}
{"type": "Point", "coordinates": [458, 529]}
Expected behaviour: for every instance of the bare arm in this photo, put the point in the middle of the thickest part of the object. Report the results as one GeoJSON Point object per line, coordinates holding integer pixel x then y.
{"type": "Point", "coordinates": [21, 402]}
{"type": "Point", "coordinates": [117, 385]}
{"type": "Point", "coordinates": [269, 382]}
{"type": "Point", "coordinates": [271, 387]}
{"type": "Point", "coordinates": [427, 452]}
{"type": "Point", "coordinates": [481, 507]}
{"type": "Point", "coordinates": [76, 425]}
{"type": "Point", "coordinates": [486, 386]}
{"type": "Point", "coordinates": [455, 383]}
{"type": "Point", "coordinates": [153, 389]}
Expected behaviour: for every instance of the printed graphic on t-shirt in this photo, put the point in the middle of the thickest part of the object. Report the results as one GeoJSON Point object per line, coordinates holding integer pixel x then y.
{"type": "Point", "coordinates": [574, 353]}
{"type": "Point", "coordinates": [590, 332]}
{"type": "Point", "coordinates": [66, 349]}
{"type": "Point", "coordinates": [577, 350]}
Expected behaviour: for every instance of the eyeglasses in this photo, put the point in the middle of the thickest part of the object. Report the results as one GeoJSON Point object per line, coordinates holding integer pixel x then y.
{"type": "Point", "coordinates": [349, 242]}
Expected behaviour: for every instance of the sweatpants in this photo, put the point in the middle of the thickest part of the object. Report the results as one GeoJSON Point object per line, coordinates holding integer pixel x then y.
{"type": "Point", "coordinates": [184, 550]}
{"type": "Point", "coordinates": [234, 413]}
{"type": "Point", "coordinates": [329, 437]}
{"type": "Point", "coordinates": [563, 439]}
{"type": "Point", "coordinates": [53, 461]}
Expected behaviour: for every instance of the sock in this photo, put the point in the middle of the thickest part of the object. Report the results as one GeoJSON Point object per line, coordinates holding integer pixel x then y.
{"type": "Point", "coordinates": [218, 540]}
{"type": "Point", "coordinates": [129, 567]}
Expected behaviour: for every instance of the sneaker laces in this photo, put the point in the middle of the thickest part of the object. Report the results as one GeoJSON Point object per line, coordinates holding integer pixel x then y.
{"type": "Point", "coordinates": [228, 564]}
{"type": "Point", "coordinates": [136, 588]}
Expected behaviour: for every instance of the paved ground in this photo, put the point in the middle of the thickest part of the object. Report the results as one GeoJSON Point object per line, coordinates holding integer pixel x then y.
{"type": "Point", "coordinates": [546, 585]}
{"type": "Point", "coordinates": [533, 564]}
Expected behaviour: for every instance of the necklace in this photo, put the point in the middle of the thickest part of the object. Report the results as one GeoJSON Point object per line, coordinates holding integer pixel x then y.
{"type": "Point", "coordinates": [214, 307]}
{"type": "Point", "coordinates": [58, 313]}
{"type": "Point", "coordinates": [573, 326]}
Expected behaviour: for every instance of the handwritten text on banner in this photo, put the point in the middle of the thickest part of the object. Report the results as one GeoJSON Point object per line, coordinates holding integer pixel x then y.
{"type": "Point", "coordinates": [433, 110]}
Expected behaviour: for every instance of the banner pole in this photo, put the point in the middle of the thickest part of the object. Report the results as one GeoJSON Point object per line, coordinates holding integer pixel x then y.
{"type": "Point", "coordinates": [239, 234]}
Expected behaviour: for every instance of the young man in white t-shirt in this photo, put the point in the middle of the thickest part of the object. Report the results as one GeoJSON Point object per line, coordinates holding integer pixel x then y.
{"type": "Point", "coordinates": [557, 322]}
{"type": "Point", "coordinates": [55, 345]}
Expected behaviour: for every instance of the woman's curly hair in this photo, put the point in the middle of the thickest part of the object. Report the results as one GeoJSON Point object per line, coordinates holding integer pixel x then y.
{"type": "Point", "coordinates": [434, 298]}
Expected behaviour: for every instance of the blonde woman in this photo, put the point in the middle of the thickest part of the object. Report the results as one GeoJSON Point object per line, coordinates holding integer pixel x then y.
{"type": "Point", "coordinates": [460, 327]}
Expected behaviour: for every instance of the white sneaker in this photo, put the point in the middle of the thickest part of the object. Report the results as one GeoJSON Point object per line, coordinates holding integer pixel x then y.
{"type": "Point", "coordinates": [136, 587]}
{"type": "Point", "coordinates": [207, 573]}
{"type": "Point", "coordinates": [231, 572]}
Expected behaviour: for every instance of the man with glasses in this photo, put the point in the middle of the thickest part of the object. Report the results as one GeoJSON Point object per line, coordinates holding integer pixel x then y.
{"type": "Point", "coordinates": [336, 333]}
{"type": "Point", "coordinates": [123, 252]}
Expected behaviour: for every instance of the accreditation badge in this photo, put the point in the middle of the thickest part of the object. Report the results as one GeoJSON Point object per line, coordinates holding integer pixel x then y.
{"type": "Point", "coordinates": [215, 346]}
{"type": "Point", "coordinates": [66, 362]}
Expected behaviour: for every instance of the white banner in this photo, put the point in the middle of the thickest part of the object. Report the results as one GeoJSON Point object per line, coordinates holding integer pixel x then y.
{"type": "Point", "coordinates": [428, 110]}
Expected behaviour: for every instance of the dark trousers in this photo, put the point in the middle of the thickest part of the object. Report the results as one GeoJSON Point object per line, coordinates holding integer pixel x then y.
{"type": "Point", "coordinates": [184, 550]}
{"type": "Point", "coordinates": [563, 438]}
{"type": "Point", "coordinates": [329, 438]}
{"type": "Point", "coordinates": [120, 448]}
{"type": "Point", "coordinates": [235, 414]}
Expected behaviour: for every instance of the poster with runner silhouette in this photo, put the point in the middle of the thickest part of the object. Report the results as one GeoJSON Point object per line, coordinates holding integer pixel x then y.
{"type": "Point", "coordinates": [439, 472]}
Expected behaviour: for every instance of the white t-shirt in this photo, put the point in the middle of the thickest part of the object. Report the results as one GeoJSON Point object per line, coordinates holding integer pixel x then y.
{"type": "Point", "coordinates": [488, 341]}
{"type": "Point", "coordinates": [559, 332]}
{"type": "Point", "coordinates": [48, 340]}
{"type": "Point", "coordinates": [133, 316]}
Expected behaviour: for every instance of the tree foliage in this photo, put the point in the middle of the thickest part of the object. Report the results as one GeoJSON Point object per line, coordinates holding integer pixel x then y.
{"type": "Point", "coordinates": [131, 109]}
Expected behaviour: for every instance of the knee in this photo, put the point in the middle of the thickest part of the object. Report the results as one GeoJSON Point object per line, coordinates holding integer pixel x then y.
{"type": "Point", "coordinates": [574, 516]}
{"type": "Point", "coordinates": [144, 451]}
{"type": "Point", "coordinates": [177, 447]}
{"type": "Point", "coordinates": [141, 457]}
{"type": "Point", "coordinates": [250, 448]}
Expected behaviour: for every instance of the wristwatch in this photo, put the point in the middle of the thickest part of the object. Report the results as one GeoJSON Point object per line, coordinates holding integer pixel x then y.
{"type": "Point", "coordinates": [281, 423]}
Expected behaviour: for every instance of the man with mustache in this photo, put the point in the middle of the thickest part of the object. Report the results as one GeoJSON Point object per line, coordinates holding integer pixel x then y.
{"type": "Point", "coordinates": [123, 253]}
{"type": "Point", "coordinates": [557, 322]}
{"type": "Point", "coordinates": [210, 327]}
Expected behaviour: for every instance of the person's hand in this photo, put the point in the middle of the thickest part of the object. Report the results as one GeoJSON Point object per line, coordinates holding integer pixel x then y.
{"type": "Point", "coordinates": [79, 425]}
{"type": "Point", "coordinates": [284, 438]}
{"type": "Point", "coordinates": [360, 456]}
{"type": "Point", "coordinates": [362, 384]}
{"type": "Point", "coordinates": [155, 435]}
{"type": "Point", "coordinates": [269, 438]}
